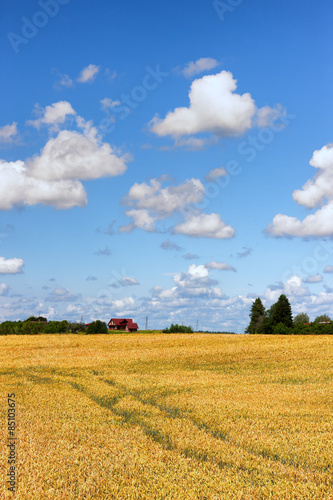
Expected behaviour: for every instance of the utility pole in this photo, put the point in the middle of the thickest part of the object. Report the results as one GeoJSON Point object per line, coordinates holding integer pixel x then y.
{"type": "Point", "coordinates": [197, 325]}
{"type": "Point", "coordinates": [146, 322]}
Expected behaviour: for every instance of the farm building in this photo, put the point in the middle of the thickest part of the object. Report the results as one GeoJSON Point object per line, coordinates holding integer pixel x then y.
{"type": "Point", "coordinates": [125, 324]}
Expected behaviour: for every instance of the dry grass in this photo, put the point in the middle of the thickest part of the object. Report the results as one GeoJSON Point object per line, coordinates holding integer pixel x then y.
{"type": "Point", "coordinates": [213, 417]}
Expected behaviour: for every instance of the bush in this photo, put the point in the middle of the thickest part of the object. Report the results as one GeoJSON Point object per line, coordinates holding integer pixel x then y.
{"type": "Point", "coordinates": [281, 329]}
{"type": "Point", "coordinates": [178, 329]}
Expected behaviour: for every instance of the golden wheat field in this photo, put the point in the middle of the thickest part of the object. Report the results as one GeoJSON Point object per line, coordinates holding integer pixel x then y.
{"type": "Point", "coordinates": [199, 416]}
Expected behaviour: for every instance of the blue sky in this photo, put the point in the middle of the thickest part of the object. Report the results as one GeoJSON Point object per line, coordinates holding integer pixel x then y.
{"type": "Point", "coordinates": [165, 159]}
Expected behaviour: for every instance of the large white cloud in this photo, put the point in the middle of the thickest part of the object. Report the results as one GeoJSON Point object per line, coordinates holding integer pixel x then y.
{"type": "Point", "coordinates": [313, 194]}
{"type": "Point", "coordinates": [152, 203]}
{"type": "Point", "coordinates": [53, 177]}
{"type": "Point", "coordinates": [214, 107]}
{"type": "Point", "coordinates": [205, 226]}
{"type": "Point", "coordinates": [11, 266]}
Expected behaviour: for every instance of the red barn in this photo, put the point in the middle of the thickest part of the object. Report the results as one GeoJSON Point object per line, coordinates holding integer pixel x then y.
{"type": "Point", "coordinates": [125, 324]}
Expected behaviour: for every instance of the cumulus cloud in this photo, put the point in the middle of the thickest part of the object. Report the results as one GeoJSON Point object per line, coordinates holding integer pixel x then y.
{"type": "Point", "coordinates": [8, 132]}
{"type": "Point", "coordinates": [316, 192]}
{"type": "Point", "coordinates": [214, 107]}
{"type": "Point", "coordinates": [52, 115]}
{"type": "Point", "coordinates": [53, 177]}
{"type": "Point", "coordinates": [153, 202]}
{"type": "Point", "coordinates": [88, 74]}
{"type": "Point", "coordinates": [328, 269]}
{"type": "Point", "coordinates": [267, 115]}
{"type": "Point", "coordinates": [317, 278]}
{"type": "Point", "coordinates": [220, 266]}
{"type": "Point", "coordinates": [195, 67]}
{"type": "Point", "coordinates": [11, 266]}
{"type": "Point", "coordinates": [205, 226]}
{"type": "Point", "coordinates": [168, 245]}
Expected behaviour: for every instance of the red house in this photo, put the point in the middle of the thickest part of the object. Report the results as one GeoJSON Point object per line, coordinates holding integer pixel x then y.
{"type": "Point", "coordinates": [124, 324]}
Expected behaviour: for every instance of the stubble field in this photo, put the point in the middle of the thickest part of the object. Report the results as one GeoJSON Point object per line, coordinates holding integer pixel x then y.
{"type": "Point", "coordinates": [199, 416]}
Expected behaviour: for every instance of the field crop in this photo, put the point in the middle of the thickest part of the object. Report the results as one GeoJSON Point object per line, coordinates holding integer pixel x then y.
{"type": "Point", "coordinates": [213, 417]}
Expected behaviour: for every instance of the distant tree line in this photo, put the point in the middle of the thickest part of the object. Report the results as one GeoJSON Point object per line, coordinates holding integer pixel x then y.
{"type": "Point", "coordinates": [178, 329]}
{"type": "Point", "coordinates": [36, 325]}
{"type": "Point", "coordinates": [278, 320]}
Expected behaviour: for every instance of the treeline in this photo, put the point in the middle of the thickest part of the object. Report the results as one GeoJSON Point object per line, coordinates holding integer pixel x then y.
{"type": "Point", "coordinates": [35, 327]}
{"type": "Point", "coordinates": [278, 320]}
{"type": "Point", "coordinates": [178, 329]}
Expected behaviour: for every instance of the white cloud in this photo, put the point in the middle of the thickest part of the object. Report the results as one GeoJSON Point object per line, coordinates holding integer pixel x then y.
{"type": "Point", "coordinates": [328, 269]}
{"type": "Point", "coordinates": [8, 132]}
{"type": "Point", "coordinates": [11, 266]}
{"type": "Point", "coordinates": [63, 295]}
{"type": "Point", "coordinates": [214, 107]}
{"type": "Point", "coordinates": [314, 193]}
{"type": "Point", "coordinates": [124, 281]}
{"type": "Point", "coordinates": [3, 289]}
{"type": "Point", "coordinates": [205, 226]}
{"type": "Point", "coordinates": [200, 65]}
{"type": "Point", "coordinates": [216, 173]}
{"type": "Point", "coordinates": [153, 202]}
{"type": "Point", "coordinates": [52, 115]}
{"type": "Point", "coordinates": [53, 177]}
{"type": "Point", "coordinates": [221, 266]}
{"type": "Point", "coordinates": [314, 279]}
{"type": "Point", "coordinates": [88, 74]}
{"type": "Point", "coordinates": [168, 245]}
{"type": "Point", "coordinates": [108, 103]}
{"type": "Point", "coordinates": [64, 82]}
{"type": "Point", "coordinates": [266, 115]}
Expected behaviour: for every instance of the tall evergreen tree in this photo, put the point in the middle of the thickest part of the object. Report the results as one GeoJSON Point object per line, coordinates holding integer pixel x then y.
{"type": "Point", "coordinates": [257, 315]}
{"type": "Point", "coordinates": [282, 312]}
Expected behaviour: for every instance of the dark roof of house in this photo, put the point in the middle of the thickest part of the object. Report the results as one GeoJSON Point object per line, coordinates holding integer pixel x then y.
{"type": "Point", "coordinates": [133, 325]}
{"type": "Point", "coordinates": [120, 321]}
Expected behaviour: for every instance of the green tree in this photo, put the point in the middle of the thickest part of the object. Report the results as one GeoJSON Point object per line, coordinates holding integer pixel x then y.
{"type": "Point", "coordinates": [323, 318]}
{"type": "Point", "coordinates": [178, 329]}
{"type": "Point", "coordinates": [257, 316]}
{"type": "Point", "coordinates": [301, 319]}
{"type": "Point", "coordinates": [97, 327]}
{"type": "Point", "coordinates": [282, 312]}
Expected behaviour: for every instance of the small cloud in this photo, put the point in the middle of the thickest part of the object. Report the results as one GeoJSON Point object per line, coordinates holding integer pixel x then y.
{"type": "Point", "coordinates": [328, 269]}
{"type": "Point", "coordinates": [52, 115]}
{"type": "Point", "coordinates": [111, 75]}
{"type": "Point", "coordinates": [63, 295]}
{"type": "Point", "coordinates": [88, 74]}
{"type": "Point", "coordinates": [124, 281]}
{"type": "Point", "coordinates": [200, 65]}
{"type": "Point", "coordinates": [220, 266]}
{"type": "Point", "coordinates": [246, 253]}
{"type": "Point", "coordinates": [105, 251]}
{"type": "Point", "coordinates": [11, 266]}
{"type": "Point", "coordinates": [8, 132]}
{"type": "Point", "coordinates": [314, 279]}
{"type": "Point", "coordinates": [45, 287]}
{"type": "Point", "coordinates": [215, 174]}
{"type": "Point", "coordinates": [91, 278]}
{"type": "Point", "coordinates": [108, 103]}
{"type": "Point", "coordinates": [190, 256]}
{"type": "Point", "coordinates": [168, 245]}
{"type": "Point", "coordinates": [64, 80]}
{"type": "Point", "coordinates": [205, 226]}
